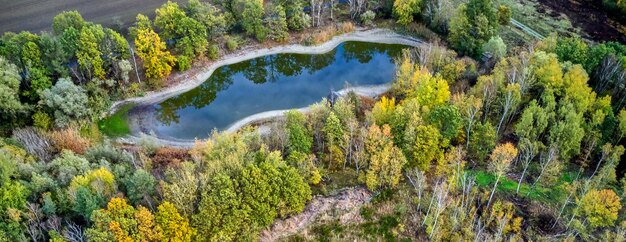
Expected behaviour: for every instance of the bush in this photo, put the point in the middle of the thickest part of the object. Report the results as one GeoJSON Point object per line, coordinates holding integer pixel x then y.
{"type": "Point", "coordinates": [148, 143]}
{"type": "Point", "coordinates": [168, 156]}
{"type": "Point", "coordinates": [496, 47]}
{"type": "Point", "coordinates": [231, 43]}
{"type": "Point", "coordinates": [42, 120]}
{"type": "Point", "coordinates": [368, 17]}
{"type": "Point", "coordinates": [109, 153]}
{"type": "Point", "coordinates": [34, 143]}
{"type": "Point", "coordinates": [69, 139]}
{"type": "Point", "coordinates": [213, 52]}
{"type": "Point", "coordinates": [347, 27]}
{"type": "Point", "coordinates": [183, 63]}
{"type": "Point", "coordinates": [504, 15]}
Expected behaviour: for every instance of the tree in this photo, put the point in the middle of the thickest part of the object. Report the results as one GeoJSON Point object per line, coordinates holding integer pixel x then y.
{"type": "Point", "coordinates": [168, 18]}
{"type": "Point", "coordinates": [496, 47]}
{"type": "Point", "coordinates": [252, 19]}
{"type": "Point", "coordinates": [572, 49]}
{"type": "Point", "coordinates": [405, 9]}
{"type": "Point", "coordinates": [68, 101]}
{"type": "Point", "coordinates": [10, 104]}
{"type": "Point", "coordinates": [600, 207]}
{"type": "Point", "coordinates": [176, 228]}
{"type": "Point", "coordinates": [67, 19]}
{"type": "Point", "coordinates": [474, 24]}
{"type": "Point", "coordinates": [157, 59]}
{"type": "Point", "coordinates": [511, 99]}
{"type": "Point", "coordinates": [88, 54]}
{"type": "Point", "coordinates": [334, 137]}
{"type": "Point", "coordinates": [427, 146]}
{"type": "Point", "coordinates": [386, 160]}
{"type": "Point", "coordinates": [12, 202]}
{"type": "Point", "coordinates": [140, 187]}
{"type": "Point", "coordinates": [276, 22]}
{"type": "Point", "coordinates": [300, 139]}
{"type": "Point", "coordinates": [208, 15]}
{"type": "Point", "coordinates": [501, 159]}
{"type": "Point", "coordinates": [122, 222]}
{"type": "Point", "coordinates": [482, 141]}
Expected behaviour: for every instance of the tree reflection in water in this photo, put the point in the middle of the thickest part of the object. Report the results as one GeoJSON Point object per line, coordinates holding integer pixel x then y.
{"type": "Point", "coordinates": [286, 74]}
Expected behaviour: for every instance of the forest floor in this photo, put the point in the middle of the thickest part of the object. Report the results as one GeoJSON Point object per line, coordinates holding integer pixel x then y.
{"type": "Point", "coordinates": [37, 15]}
{"type": "Point", "coordinates": [344, 206]}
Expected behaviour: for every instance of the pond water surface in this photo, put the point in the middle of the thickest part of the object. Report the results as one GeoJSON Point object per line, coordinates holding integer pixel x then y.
{"type": "Point", "coordinates": [272, 82]}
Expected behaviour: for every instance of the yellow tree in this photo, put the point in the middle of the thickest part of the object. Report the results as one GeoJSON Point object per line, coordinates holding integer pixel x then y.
{"type": "Point", "coordinates": [156, 58]}
{"type": "Point", "coordinates": [600, 207]}
{"type": "Point", "coordinates": [386, 160]}
{"type": "Point", "coordinates": [175, 227]}
{"type": "Point", "coordinates": [501, 158]}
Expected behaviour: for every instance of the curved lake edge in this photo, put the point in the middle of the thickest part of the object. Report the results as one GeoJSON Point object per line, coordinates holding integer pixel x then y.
{"type": "Point", "coordinates": [382, 36]}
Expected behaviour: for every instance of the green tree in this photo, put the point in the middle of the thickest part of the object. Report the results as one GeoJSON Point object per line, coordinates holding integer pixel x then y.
{"type": "Point", "coordinates": [140, 187]}
{"type": "Point", "coordinates": [67, 19]}
{"type": "Point", "coordinates": [496, 47]}
{"type": "Point", "coordinates": [10, 104]}
{"type": "Point", "coordinates": [334, 137]}
{"type": "Point", "coordinates": [300, 139]}
{"type": "Point", "coordinates": [252, 19]}
{"type": "Point", "coordinates": [209, 16]}
{"type": "Point", "coordinates": [473, 24]}
{"type": "Point", "coordinates": [276, 22]}
{"type": "Point", "coordinates": [572, 49]}
{"type": "Point", "coordinates": [68, 101]}
{"type": "Point", "coordinates": [483, 141]}
{"type": "Point", "coordinates": [88, 53]}
{"type": "Point", "coordinates": [12, 203]}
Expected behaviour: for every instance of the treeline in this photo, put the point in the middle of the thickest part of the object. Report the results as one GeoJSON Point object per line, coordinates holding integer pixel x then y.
{"type": "Point", "coordinates": [97, 65]}
{"type": "Point", "coordinates": [226, 188]}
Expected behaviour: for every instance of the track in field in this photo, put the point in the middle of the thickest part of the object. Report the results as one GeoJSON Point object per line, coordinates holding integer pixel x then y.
{"type": "Point", "coordinates": [37, 15]}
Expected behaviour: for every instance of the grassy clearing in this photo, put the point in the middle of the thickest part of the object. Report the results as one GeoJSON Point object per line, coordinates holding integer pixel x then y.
{"type": "Point", "coordinates": [540, 19]}
{"type": "Point", "coordinates": [507, 186]}
{"type": "Point", "coordinates": [335, 181]}
{"type": "Point", "coordinates": [116, 124]}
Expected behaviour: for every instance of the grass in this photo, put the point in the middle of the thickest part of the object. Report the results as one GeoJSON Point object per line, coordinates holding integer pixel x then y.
{"type": "Point", "coordinates": [552, 194]}
{"type": "Point", "coordinates": [116, 124]}
{"type": "Point", "coordinates": [542, 20]}
{"type": "Point", "coordinates": [335, 181]}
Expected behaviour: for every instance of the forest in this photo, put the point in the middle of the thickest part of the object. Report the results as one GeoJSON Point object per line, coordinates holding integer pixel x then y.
{"type": "Point", "coordinates": [478, 138]}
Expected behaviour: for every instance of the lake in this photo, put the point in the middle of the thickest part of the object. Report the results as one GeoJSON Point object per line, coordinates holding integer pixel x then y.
{"type": "Point", "coordinates": [273, 82]}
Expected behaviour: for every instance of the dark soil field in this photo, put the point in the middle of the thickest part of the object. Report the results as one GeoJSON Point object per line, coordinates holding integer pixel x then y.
{"type": "Point", "coordinates": [589, 15]}
{"type": "Point", "coordinates": [37, 15]}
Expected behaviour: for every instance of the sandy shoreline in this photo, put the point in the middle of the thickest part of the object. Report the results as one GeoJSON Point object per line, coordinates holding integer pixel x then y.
{"type": "Point", "coordinates": [383, 36]}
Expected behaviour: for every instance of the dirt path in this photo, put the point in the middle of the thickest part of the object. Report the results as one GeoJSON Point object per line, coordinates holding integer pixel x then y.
{"type": "Point", "coordinates": [345, 205]}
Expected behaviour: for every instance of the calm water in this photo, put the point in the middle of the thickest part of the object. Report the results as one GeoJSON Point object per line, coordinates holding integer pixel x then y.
{"type": "Point", "coordinates": [272, 82]}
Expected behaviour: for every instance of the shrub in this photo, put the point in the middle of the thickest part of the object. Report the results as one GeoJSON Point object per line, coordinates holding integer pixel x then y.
{"type": "Point", "coordinates": [504, 15]}
{"type": "Point", "coordinates": [109, 153]}
{"type": "Point", "coordinates": [42, 120]}
{"type": "Point", "coordinates": [168, 156]}
{"type": "Point", "coordinates": [422, 31]}
{"type": "Point", "coordinates": [183, 63]}
{"type": "Point", "coordinates": [34, 143]}
{"type": "Point", "coordinates": [496, 47]}
{"type": "Point", "coordinates": [148, 143]}
{"type": "Point", "coordinates": [347, 27]}
{"type": "Point", "coordinates": [213, 52]}
{"type": "Point", "coordinates": [69, 139]}
{"type": "Point", "coordinates": [368, 17]}
{"type": "Point", "coordinates": [231, 43]}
